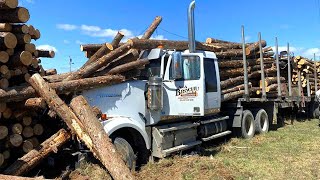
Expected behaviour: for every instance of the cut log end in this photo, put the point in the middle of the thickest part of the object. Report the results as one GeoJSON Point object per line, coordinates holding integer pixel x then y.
{"type": "Point", "coordinates": [10, 40]}
{"type": "Point", "coordinates": [4, 57]}
{"type": "Point", "coordinates": [23, 15]}
{"type": "Point", "coordinates": [9, 4]}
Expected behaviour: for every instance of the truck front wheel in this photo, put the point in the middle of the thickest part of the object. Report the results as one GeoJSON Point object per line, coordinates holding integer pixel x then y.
{"type": "Point", "coordinates": [126, 151]}
{"type": "Point", "coordinates": [247, 129]}
{"type": "Point", "coordinates": [262, 122]}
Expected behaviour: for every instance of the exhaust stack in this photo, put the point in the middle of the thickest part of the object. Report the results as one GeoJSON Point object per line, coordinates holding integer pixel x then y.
{"type": "Point", "coordinates": [191, 28]}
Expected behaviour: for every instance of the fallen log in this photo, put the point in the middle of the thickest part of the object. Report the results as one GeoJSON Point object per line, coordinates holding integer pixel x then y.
{"type": "Point", "coordinates": [24, 92]}
{"type": "Point", "coordinates": [85, 128]}
{"type": "Point", "coordinates": [35, 156]}
{"type": "Point", "coordinates": [17, 15]}
{"type": "Point", "coordinates": [102, 145]}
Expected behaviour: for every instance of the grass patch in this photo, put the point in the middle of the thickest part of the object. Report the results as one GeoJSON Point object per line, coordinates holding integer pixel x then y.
{"type": "Point", "coordinates": [292, 152]}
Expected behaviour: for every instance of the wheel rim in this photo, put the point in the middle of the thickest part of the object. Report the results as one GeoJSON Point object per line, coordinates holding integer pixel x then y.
{"type": "Point", "coordinates": [264, 123]}
{"type": "Point", "coordinates": [249, 126]}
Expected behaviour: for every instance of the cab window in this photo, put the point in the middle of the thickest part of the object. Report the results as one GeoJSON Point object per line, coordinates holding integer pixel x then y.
{"type": "Point", "coordinates": [210, 75]}
{"type": "Point", "coordinates": [190, 68]}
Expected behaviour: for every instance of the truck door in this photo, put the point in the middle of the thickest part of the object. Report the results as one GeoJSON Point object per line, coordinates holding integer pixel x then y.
{"type": "Point", "coordinates": [184, 96]}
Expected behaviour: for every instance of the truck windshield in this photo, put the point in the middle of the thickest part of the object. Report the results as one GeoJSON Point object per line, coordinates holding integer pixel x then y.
{"type": "Point", "coordinates": [190, 68]}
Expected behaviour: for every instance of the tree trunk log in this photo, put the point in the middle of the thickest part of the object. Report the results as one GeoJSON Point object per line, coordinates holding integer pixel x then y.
{"type": "Point", "coordinates": [254, 48]}
{"type": "Point", "coordinates": [26, 120]}
{"type": "Point", "coordinates": [116, 40]}
{"type": "Point", "coordinates": [17, 15]}
{"type": "Point", "coordinates": [16, 140]}
{"type": "Point", "coordinates": [17, 128]}
{"type": "Point", "coordinates": [7, 39]}
{"type": "Point", "coordinates": [103, 61]}
{"type": "Point", "coordinates": [152, 28]}
{"type": "Point", "coordinates": [35, 156]}
{"type": "Point", "coordinates": [3, 132]}
{"type": "Point", "coordinates": [50, 72]}
{"type": "Point", "coordinates": [105, 49]}
{"type": "Point", "coordinates": [8, 4]}
{"type": "Point", "coordinates": [236, 63]}
{"type": "Point", "coordinates": [36, 35]}
{"type": "Point", "coordinates": [225, 73]}
{"type": "Point", "coordinates": [25, 92]}
{"type": "Point", "coordinates": [27, 132]}
{"type": "Point", "coordinates": [271, 80]}
{"type": "Point", "coordinates": [86, 128]}
{"type": "Point", "coordinates": [23, 38]}
{"type": "Point", "coordinates": [37, 103]}
{"type": "Point", "coordinates": [23, 58]}
{"type": "Point", "coordinates": [5, 27]}
{"type": "Point", "coordinates": [132, 55]}
{"type": "Point", "coordinates": [102, 145]}
{"type": "Point", "coordinates": [124, 67]}
{"type": "Point", "coordinates": [231, 81]}
{"type": "Point", "coordinates": [45, 54]}
{"type": "Point", "coordinates": [38, 129]}
{"type": "Point", "coordinates": [24, 29]}
{"type": "Point", "coordinates": [235, 88]}
{"type": "Point", "coordinates": [4, 57]}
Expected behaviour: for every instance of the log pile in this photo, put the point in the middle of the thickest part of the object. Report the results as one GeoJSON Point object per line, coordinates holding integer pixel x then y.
{"type": "Point", "coordinates": [21, 123]}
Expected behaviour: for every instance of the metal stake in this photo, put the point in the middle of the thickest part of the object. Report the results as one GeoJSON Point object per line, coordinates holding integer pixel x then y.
{"type": "Point", "coordinates": [264, 94]}
{"type": "Point", "coordinates": [308, 86]}
{"type": "Point", "coordinates": [278, 69]}
{"type": "Point", "coordinates": [245, 66]}
{"type": "Point", "coordinates": [315, 73]}
{"type": "Point", "coordinates": [289, 71]}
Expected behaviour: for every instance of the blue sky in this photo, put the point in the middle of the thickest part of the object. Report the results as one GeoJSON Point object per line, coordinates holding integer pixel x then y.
{"type": "Point", "coordinates": [65, 24]}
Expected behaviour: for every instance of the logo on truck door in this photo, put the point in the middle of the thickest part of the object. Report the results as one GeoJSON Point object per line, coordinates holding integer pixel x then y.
{"type": "Point", "coordinates": [187, 91]}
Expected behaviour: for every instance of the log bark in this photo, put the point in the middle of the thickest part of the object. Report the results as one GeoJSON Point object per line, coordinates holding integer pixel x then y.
{"type": "Point", "coordinates": [116, 40]}
{"type": "Point", "coordinates": [45, 53]}
{"type": "Point", "coordinates": [105, 49]}
{"type": "Point", "coordinates": [27, 146]}
{"type": "Point", "coordinates": [236, 63]}
{"type": "Point", "coordinates": [35, 156]}
{"type": "Point", "coordinates": [152, 28]}
{"type": "Point", "coordinates": [132, 55]}
{"type": "Point", "coordinates": [232, 81]}
{"type": "Point", "coordinates": [124, 67]}
{"type": "Point", "coordinates": [36, 103]}
{"type": "Point", "coordinates": [7, 39]}
{"type": "Point", "coordinates": [213, 40]}
{"type": "Point", "coordinates": [11, 4]}
{"type": "Point", "coordinates": [271, 80]}
{"type": "Point", "coordinates": [25, 92]}
{"type": "Point", "coordinates": [235, 88]}
{"type": "Point", "coordinates": [177, 45]}
{"type": "Point", "coordinates": [225, 73]}
{"type": "Point", "coordinates": [254, 48]}
{"type": "Point", "coordinates": [85, 127]}
{"type": "Point", "coordinates": [103, 61]}
{"type": "Point", "coordinates": [232, 95]}
{"type": "Point", "coordinates": [17, 15]}
{"type": "Point", "coordinates": [102, 145]}
{"type": "Point", "coordinates": [90, 47]}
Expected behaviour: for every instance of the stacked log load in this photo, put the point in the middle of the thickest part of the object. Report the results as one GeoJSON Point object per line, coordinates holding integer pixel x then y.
{"type": "Point", "coordinates": [21, 127]}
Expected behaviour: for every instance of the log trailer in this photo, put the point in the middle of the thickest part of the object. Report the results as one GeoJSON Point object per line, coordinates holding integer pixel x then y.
{"type": "Point", "coordinates": [176, 104]}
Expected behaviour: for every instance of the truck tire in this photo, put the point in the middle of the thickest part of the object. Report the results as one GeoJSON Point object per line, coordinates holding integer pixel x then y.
{"type": "Point", "coordinates": [126, 151]}
{"type": "Point", "coordinates": [262, 122]}
{"type": "Point", "coordinates": [247, 129]}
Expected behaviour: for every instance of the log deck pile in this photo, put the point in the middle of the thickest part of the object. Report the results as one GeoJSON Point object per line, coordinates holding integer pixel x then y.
{"type": "Point", "coordinates": [21, 127]}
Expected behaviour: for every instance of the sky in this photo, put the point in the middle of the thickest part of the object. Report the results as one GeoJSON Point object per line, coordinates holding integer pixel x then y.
{"type": "Point", "coordinates": [65, 24]}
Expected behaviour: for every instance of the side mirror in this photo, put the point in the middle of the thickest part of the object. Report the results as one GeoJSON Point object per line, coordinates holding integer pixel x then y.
{"type": "Point", "coordinates": [176, 65]}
